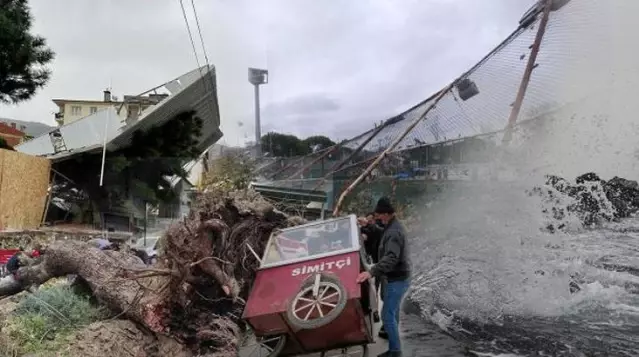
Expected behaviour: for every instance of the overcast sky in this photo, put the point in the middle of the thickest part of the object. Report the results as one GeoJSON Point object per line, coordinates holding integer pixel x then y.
{"type": "Point", "coordinates": [336, 66]}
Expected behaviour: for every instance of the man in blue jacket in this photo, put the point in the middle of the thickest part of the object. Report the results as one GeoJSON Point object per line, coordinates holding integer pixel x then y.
{"type": "Point", "coordinates": [394, 268]}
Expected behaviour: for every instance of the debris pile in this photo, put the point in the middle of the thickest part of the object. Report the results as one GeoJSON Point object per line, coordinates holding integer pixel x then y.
{"type": "Point", "coordinates": [590, 199]}
{"type": "Point", "coordinates": [195, 294]}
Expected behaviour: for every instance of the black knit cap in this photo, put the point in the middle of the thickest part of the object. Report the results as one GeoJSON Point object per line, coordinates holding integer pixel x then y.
{"type": "Point", "coordinates": [384, 206]}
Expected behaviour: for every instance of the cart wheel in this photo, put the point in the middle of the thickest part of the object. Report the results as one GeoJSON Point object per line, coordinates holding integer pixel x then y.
{"type": "Point", "coordinates": [320, 301]}
{"type": "Point", "coordinates": [269, 346]}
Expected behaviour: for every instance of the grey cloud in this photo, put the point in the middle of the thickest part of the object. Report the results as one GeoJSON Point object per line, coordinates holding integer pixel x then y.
{"type": "Point", "coordinates": [308, 104]}
{"type": "Point", "coordinates": [361, 61]}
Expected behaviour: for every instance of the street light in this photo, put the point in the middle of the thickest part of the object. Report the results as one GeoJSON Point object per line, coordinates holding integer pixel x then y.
{"type": "Point", "coordinates": [257, 77]}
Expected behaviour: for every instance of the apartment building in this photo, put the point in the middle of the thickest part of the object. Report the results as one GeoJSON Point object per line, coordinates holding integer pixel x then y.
{"type": "Point", "coordinates": [128, 109]}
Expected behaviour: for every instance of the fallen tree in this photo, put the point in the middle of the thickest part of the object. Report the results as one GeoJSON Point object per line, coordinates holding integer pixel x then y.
{"type": "Point", "coordinates": [196, 292]}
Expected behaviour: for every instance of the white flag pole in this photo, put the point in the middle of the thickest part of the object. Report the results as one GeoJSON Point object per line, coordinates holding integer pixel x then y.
{"type": "Point", "coordinates": [104, 142]}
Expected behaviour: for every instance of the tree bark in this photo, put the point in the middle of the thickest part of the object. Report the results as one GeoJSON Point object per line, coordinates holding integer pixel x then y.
{"type": "Point", "coordinates": [118, 280]}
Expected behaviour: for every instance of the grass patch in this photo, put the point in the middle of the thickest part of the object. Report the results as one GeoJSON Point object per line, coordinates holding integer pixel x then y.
{"type": "Point", "coordinates": [42, 321]}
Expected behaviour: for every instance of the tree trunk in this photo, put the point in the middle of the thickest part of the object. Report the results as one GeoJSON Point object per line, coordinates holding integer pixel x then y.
{"type": "Point", "coordinates": [196, 292]}
{"type": "Point", "coordinates": [123, 283]}
{"type": "Point", "coordinates": [111, 275]}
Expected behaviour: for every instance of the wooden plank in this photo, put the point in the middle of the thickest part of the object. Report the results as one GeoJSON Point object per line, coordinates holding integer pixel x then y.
{"type": "Point", "coordinates": [24, 181]}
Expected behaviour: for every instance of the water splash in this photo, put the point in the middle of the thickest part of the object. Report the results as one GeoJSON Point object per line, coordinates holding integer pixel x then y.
{"type": "Point", "coordinates": [491, 273]}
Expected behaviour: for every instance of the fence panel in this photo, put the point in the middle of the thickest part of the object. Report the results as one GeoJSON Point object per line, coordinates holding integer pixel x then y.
{"type": "Point", "coordinates": [459, 138]}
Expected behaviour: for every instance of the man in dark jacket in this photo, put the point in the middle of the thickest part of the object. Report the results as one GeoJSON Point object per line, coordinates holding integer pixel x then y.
{"type": "Point", "coordinates": [373, 234]}
{"type": "Point", "coordinates": [395, 268]}
{"type": "Point", "coordinates": [372, 230]}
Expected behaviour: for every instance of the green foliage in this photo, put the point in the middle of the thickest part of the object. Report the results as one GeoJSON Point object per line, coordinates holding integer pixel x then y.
{"type": "Point", "coordinates": [61, 307]}
{"type": "Point", "coordinates": [23, 56]}
{"type": "Point", "coordinates": [140, 170]}
{"type": "Point", "coordinates": [231, 171]}
{"type": "Point", "coordinates": [282, 145]}
{"type": "Point", "coordinates": [359, 202]}
{"type": "Point", "coordinates": [321, 141]}
{"type": "Point", "coordinates": [364, 198]}
{"type": "Point", "coordinates": [42, 321]}
{"type": "Point", "coordinates": [286, 145]}
{"type": "Point", "coordinates": [22, 334]}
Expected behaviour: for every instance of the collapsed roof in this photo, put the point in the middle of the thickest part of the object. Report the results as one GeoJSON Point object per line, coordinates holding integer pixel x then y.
{"type": "Point", "coordinates": [195, 90]}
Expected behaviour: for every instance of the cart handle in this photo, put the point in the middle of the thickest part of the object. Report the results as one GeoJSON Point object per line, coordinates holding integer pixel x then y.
{"type": "Point", "coordinates": [363, 256]}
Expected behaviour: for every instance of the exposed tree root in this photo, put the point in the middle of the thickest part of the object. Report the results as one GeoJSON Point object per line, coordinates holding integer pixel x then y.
{"type": "Point", "coordinates": [196, 292]}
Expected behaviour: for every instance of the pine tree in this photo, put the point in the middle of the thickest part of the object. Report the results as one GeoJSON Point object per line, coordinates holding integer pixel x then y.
{"type": "Point", "coordinates": [23, 56]}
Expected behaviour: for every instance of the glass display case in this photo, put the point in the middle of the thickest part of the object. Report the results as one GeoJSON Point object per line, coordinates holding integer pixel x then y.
{"type": "Point", "coordinates": [311, 241]}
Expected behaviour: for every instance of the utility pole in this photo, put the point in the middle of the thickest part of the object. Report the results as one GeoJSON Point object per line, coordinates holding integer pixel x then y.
{"type": "Point", "coordinates": [545, 7]}
{"type": "Point", "coordinates": [256, 78]}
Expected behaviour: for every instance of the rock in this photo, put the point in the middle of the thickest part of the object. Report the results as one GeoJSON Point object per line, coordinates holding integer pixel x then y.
{"type": "Point", "coordinates": [590, 199]}
{"type": "Point", "coordinates": [588, 177]}
{"type": "Point", "coordinates": [621, 182]}
{"type": "Point", "coordinates": [574, 287]}
{"type": "Point", "coordinates": [624, 195]}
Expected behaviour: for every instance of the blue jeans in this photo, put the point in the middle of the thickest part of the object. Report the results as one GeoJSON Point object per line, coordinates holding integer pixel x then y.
{"type": "Point", "coordinates": [393, 294]}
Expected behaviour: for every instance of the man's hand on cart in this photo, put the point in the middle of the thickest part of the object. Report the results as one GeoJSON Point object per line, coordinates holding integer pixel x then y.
{"type": "Point", "coordinates": [362, 221]}
{"type": "Point", "coordinates": [363, 276]}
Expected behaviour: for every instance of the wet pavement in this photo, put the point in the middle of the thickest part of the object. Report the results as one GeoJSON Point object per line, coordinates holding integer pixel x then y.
{"type": "Point", "coordinates": [419, 339]}
{"type": "Point", "coordinates": [423, 339]}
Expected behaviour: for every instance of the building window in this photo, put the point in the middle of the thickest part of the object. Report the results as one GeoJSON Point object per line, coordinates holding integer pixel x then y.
{"type": "Point", "coordinates": [76, 110]}
{"type": "Point", "coordinates": [133, 111]}
{"type": "Point", "coordinates": [93, 110]}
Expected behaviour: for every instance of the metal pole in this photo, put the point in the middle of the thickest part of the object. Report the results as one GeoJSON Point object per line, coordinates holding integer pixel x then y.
{"type": "Point", "coordinates": [61, 175]}
{"type": "Point", "coordinates": [146, 218]}
{"type": "Point", "coordinates": [523, 86]}
{"type": "Point", "coordinates": [104, 145]}
{"type": "Point", "coordinates": [48, 201]}
{"type": "Point", "coordinates": [258, 128]}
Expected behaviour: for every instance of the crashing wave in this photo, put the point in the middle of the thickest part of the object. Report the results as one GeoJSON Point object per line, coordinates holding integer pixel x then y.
{"type": "Point", "coordinates": [488, 276]}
